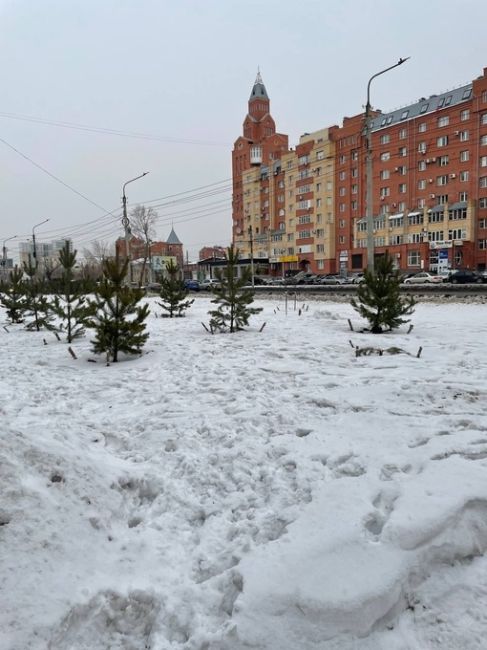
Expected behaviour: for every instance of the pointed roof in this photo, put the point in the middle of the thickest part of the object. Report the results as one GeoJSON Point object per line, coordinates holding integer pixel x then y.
{"type": "Point", "coordinates": [173, 238]}
{"type": "Point", "coordinates": [258, 91]}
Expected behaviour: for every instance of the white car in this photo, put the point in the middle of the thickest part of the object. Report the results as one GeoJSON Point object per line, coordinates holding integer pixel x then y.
{"type": "Point", "coordinates": [424, 278]}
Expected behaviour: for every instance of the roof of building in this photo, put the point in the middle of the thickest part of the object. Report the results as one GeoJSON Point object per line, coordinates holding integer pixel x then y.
{"type": "Point", "coordinates": [258, 91]}
{"type": "Point", "coordinates": [173, 238]}
{"type": "Point", "coordinates": [423, 107]}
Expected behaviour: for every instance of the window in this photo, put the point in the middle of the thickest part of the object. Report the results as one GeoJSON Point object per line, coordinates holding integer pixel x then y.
{"type": "Point", "coordinates": [395, 240]}
{"type": "Point", "coordinates": [320, 233]}
{"type": "Point", "coordinates": [354, 189]}
{"type": "Point", "coordinates": [443, 161]}
{"type": "Point", "coordinates": [320, 155]}
{"type": "Point", "coordinates": [318, 187]}
{"type": "Point", "coordinates": [482, 224]}
{"type": "Point", "coordinates": [482, 244]}
{"type": "Point", "coordinates": [467, 93]}
{"type": "Point", "coordinates": [341, 239]}
{"type": "Point", "coordinates": [385, 155]}
{"type": "Point", "coordinates": [422, 127]}
{"type": "Point", "coordinates": [402, 188]}
{"type": "Point", "coordinates": [342, 175]}
{"type": "Point", "coordinates": [404, 114]}
{"type": "Point", "coordinates": [463, 196]}
{"type": "Point", "coordinates": [403, 170]}
{"type": "Point", "coordinates": [483, 119]}
{"type": "Point", "coordinates": [414, 258]}
{"type": "Point", "coordinates": [442, 141]}
{"type": "Point", "coordinates": [422, 147]}
{"type": "Point", "coordinates": [389, 119]}
{"type": "Point", "coordinates": [422, 165]}
{"type": "Point", "coordinates": [341, 223]}
{"type": "Point", "coordinates": [436, 217]}
{"type": "Point", "coordinates": [318, 203]}
{"type": "Point", "coordinates": [442, 199]}
{"type": "Point", "coordinates": [320, 248]}
{"type": "Point", "coordinates": [422, 184]}
{"type": "Point", "coordinates": [483, 161]}
{"type": "Point", "coordinates": [303, 160]}
{"type": "Point", "coordinates": [403, 134]}
{"type": "Point", "coordinates": [342, 191]}
{"type": "Point", "coordinates": [385, 138]}
{"type": "Point", "coordinates": [483, 181]}
{"type": "Point", "coordinates": [442, 180]}
{"type": "Point", "coordinates": [441, 102]}
{"type": "Point", "coordinates": [415, 219]}
{"type": "Point", "coordinates": [464, 156]}
{"type": "Point", "coordinates": [464, 176]}
{"type": "Point", "coordinates": [424, 108]}
{"type": "Point", "coordinates": [384, 174]}
{"type": "Point", "coordinates": [343, 207]}
{"type": "Point", "coordinates": [457, 233]}
{"type": "Point", "coordinates": [463, 136]}
{"type": "Point", "coordinates": [385, 191]}
{"type": "Point", "coordinates": [403, 152]}
{"type": "Point", "coordinates": [303, 234]}
{"type": "Point", "coordinates": [484, 97]}
{"type": "Point", "coordinates": [483, 202]}
{"type": "Point", "coordinates": [354, 155]}
{"type": "Point", "coordinates": [464, 115]}
{"type": "Point", "coordinates": [342, 159]}
{"type": "Point", "coordinates": [444, 120]}
{"type": "Point", "coordinates": [436, 236]}
{"type": "Point", "coordinates": [401, 206]}
{"type": "Point", "coordinates": [304, 219]}
{"type": "Point", "coordinates": [483, 140]}
{"type": "Point", "coordinates": [421, 203]}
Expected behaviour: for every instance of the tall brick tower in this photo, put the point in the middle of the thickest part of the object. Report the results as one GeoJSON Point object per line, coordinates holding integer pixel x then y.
{"type": "Point", "coordinates": [259, 146]}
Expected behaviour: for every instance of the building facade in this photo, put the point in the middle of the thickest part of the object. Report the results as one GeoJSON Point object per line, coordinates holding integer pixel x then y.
{"type": "Point", "coordinates": [305, 208]}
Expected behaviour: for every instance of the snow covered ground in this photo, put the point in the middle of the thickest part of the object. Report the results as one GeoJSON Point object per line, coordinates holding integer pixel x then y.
{"type": "Point", "coordinates": [257, 490]}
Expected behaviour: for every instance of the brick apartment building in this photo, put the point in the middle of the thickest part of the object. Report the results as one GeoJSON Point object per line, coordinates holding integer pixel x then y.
{"type": "Point", "coordinates": [305, 208]}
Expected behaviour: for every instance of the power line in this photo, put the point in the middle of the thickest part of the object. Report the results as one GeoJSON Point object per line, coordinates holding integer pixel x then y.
{"type": "Point", "coordinates": [106, 131]}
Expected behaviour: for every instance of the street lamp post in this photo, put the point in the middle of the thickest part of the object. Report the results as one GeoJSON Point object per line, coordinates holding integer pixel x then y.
{"type": "Point", "coordinates": [125, 219]}
{"type": "Point", "coordinates": [369, 202]}
{"type": "Point", "coordinates": [4, 251]}
{"type": "Point", "coordinates": [34, 250]}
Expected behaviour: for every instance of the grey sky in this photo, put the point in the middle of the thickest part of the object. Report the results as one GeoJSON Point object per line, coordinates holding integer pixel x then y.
{"type": "Point", "coordinates": [183, 71]}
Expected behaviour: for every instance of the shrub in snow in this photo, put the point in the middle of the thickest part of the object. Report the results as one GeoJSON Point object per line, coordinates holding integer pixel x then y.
{"type": "Point", "coordinates": [118, 320]}
{"type": "Point", "coordinates": [13, 299]}
{"type": "Point", "coordinates": [71, 305]}
{"type": "Point", "coordinates": [37, 306]}
{"type": "Point", "coordinates": [379, 299]}
{"type": "Point", "coordinates": [233, 297]}
{"type": "Point", "coordinates": [173, 292]}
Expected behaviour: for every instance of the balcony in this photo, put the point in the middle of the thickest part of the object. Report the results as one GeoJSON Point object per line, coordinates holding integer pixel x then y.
{"type": "Point", "coordinates": [256, 155]}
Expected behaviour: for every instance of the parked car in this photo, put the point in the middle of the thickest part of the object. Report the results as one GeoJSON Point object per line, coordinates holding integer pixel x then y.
{"type": "Point", "coordinates": [210, 283]}
{"type": "Point", "coordinates": [463, 276]}
{"type": "Point", "coordinates": [357, 278]}
{"type": "Point", "coordinates": [424, 277]}
{"type": "Point", "coordinates": [483, 275]}
{"type": "Point", "coordinates": [192, 285]}
{"type": "Point", "coordinates": [333, 279]}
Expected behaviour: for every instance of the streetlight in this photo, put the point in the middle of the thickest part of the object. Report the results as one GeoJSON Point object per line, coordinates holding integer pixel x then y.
{"type": "Point", "coordinates": [34, 239]}
{"type": "Point", "coordinates": [4, 251]}
{"type": "Point", "coordinates": [369, 203]}
{"type": "Point", "coordinates": [125, 219]}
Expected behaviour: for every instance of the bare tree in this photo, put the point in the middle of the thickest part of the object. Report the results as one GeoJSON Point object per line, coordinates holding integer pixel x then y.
{"type": "Point", "coordinates": [94, 258]}
{"type": "Point", "coordinates": [142, 220]}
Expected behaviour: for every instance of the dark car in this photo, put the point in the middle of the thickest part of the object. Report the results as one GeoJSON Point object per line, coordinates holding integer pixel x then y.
{"type": "Point", "coordinates": [463, 276]}
{"type": "Point", "coordinates": [192, 285]}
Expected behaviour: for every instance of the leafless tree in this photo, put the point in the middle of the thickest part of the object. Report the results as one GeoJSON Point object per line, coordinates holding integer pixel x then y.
{"type": "Point", "coordinates": [142, 220]}
{"type": "Point", "coordinates": [94, 258]}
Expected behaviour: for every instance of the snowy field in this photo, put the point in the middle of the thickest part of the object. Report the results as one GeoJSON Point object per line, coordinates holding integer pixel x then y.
{"type": "Point", "coordinates": [262, 490]}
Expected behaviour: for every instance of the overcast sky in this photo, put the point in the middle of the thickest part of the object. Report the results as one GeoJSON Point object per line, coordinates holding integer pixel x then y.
{"type": "Point", "coordinates": [181, 72]}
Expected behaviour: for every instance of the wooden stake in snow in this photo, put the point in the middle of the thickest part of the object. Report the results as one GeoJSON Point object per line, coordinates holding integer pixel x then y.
{"type": "Point", "coordinates": [263, 325]}
{"type": "Point", "coordinates": [206, 328]}
{"type": "Point", "coordinates": [45, 342]}
{"type": "Point", "coordinates": [57, 336]}
{"type": "Point", "coordinates": [71, 352]}
{"type": "Point", "coordinates": [350, 324]}
{"type": "Point", "coordinates": [6, 329]}
{"type": "Point", "coordinates": [410, 329]}
{"type": "Point", "coordinates": [419, 353]}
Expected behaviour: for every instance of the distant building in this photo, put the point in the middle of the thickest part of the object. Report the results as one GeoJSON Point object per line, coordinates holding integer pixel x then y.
{"type": "Point", "coordinates": [46, 254]}
{"type": "Point", "coordinates": [212, 251]}
{"type": "Point", "coordinates": [171, 248]}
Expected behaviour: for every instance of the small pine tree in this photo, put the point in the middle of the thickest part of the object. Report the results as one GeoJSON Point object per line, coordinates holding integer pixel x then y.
{"type": "Point", "coordinates": [71, 305]}
{"type": "Point", "coordinates": [118, 321]}
{"type": "Point", "coordinates": [233, 297]}
{"type": "Point", "coordinates": [173, 292]}
{"type": "Point", "coordinates": [13, 298]}
{"type": "Point", "coordinates": [379, 299]}
{"type": "Point", "coordinates": [37, 305]}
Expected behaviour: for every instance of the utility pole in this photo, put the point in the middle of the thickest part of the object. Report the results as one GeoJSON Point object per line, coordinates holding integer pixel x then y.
{"type": "Point", "coordinates": [126, 222]}
{"type": "Point", "coordinates": [34, 250]}
{"type": "Point", "coordinates": [251, 254]}
{"type": "Point", "coordinates": [369, 199]}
